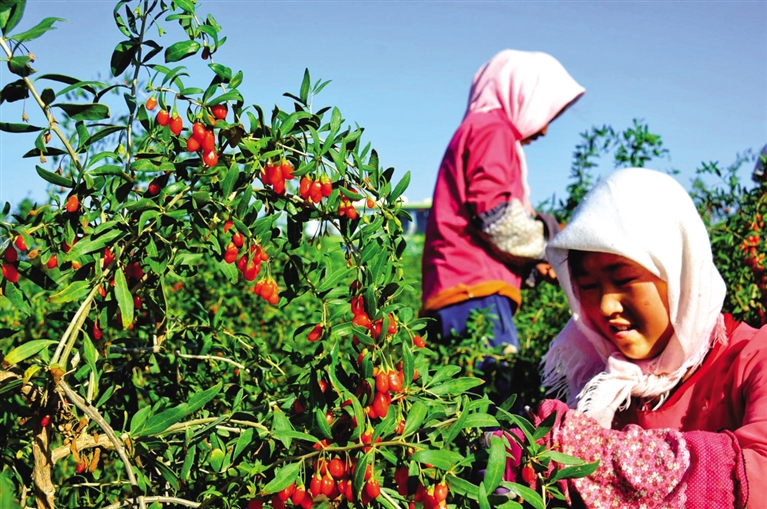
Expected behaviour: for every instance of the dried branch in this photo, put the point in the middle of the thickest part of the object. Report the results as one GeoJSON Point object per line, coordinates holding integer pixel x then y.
{"type": "Point", "coordinates": [162, 500]}
{"type": "Point", "coordinates": [94, 414]}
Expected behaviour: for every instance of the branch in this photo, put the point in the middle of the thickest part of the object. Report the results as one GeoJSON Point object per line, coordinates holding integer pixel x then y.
{"type": "Point", "coordinates": [94, 414]}
{"type": "Point", "coordinates": [211, 358]}
{"type": "Point", "coordinates": [165, 500]}
{"type": "Point", "coordinates": [85, 441]}
{"type": "Point", "coordinates": [52, 123]}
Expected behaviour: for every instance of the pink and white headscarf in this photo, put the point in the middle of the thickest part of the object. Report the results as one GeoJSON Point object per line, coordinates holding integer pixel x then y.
{"type": "Point", "coordinates": [530, 87]}
{"type": "Point", "coordinates": [648, 217]}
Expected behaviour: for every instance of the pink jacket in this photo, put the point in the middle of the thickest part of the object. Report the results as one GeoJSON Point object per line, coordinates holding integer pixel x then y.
{"type": "Point", "coordinates": [479, 171]}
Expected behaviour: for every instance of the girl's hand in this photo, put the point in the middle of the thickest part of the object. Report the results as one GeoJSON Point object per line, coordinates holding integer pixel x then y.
{"type": "Point", "coordinates": [547, 272]}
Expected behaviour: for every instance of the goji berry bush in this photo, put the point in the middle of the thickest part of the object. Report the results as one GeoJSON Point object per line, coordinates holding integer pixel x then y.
{"type": "Point", "coordinates": [212, 309]}
{"type": "Point", "coordinates": [217, 306]}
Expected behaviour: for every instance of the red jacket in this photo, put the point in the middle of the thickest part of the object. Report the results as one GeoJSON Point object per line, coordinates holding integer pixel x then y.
{"type": "Point", "coordinates": [728, 392]}
{"type": "Point", "coordinates": [478, 172]}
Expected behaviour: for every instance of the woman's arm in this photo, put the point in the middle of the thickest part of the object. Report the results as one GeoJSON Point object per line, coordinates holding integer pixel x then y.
{"type": "Point", "coordinates": [651, 468]}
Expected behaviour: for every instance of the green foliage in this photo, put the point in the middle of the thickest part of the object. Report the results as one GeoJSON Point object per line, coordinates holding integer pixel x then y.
{"type": "Point", "coordinates": [206, 325]}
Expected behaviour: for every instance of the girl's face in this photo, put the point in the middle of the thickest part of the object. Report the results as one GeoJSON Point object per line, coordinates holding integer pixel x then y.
{"type": "Point", "coordinates": [625, 302]}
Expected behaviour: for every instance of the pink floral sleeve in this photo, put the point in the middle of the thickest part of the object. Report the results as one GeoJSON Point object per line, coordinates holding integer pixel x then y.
{"type": "Point", "coordinates": [657, 468]}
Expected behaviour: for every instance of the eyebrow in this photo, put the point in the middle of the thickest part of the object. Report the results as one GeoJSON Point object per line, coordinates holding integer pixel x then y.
{"type": "Point", "coordinates": [579, 271]}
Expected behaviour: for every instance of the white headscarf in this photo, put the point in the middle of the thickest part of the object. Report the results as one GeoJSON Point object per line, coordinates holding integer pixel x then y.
{"type": "Point", "coordinates": [646, 216]}
{"type": "Point", "coordinates": [530, 87]}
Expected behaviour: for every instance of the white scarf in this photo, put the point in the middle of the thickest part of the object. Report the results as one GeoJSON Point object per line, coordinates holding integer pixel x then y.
{"type": "Point", "coordinates": [530, 87]}
{"type": "Point", "coordinates": [646, 216]}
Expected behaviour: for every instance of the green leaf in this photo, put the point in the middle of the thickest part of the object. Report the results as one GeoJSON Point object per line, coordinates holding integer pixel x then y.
{"type": "Point", "coordinates": [37, 30]}
{"type": "Point", "coordinates": [482, 497]}
{"type": "Point", "coordinates": [217, 457]}
{"type": "Point", "coordinates": [19, 128]}
{"type": "Point", "coordinates": [332, 281]}
{"type": "Point", "coordinates": [138, 420]}
{"type": "Point", "coordinates": [283, 478]}
{"type": "Point", "coordinates": [444, 460]}
{"type": "Point", "coordinates": [415, 417]}
{"type": "Point", "coordinates": [457, 386]}
{"type": "Point", "coordinates": [322, 423]}
{"type": "Point", "coordinates": [544, 427]}
{"type": "Point", "coordinates": [53, 178]}
{"type": "Point", "coordinates": [20, 66]}
{"type": "Point", "coordinates": [576, 471]}
{"type": "Point", "coordinates": [359, 472]}
{"type": "Point", "coordinates": [48, 96]}
{"type": "Point", "coordinates": [199, 400]}
{"type": "Point", "coordinates": [97, 242]}
{"type": "Point", "coordinates": [531, 496]}
{"type": "Point", "coordinates": [462, 487]}
{"type": "Point", "coordinates": [74, 292]}
{"type": "Point", "coordinates": [481, 421]}
{"type": "Point", "coordinates": [122, 56]}
{"type": "Point", "coordinates": [17, 298]}
{"type": "Point", "coordinates": [11, 12]}
{"type": "Point", "coordinates": [222, 71]}
{"type": "Point", "coordinates": [188, 462]}
{"type": "Point", "coordinates": [444, 373]}
{"type": "Point", "coordinates": [27, 350]}
{"type": "Point", "coordinates": [561, 458]}
{"type": "Point", "coordinates": [88, 111]}
{"type": "Point", "coordinates": [124, 298]}
{"type": "Point", "coordinates": [186, 5]}
{"type": "Point", "coordinates": [162, 421]}
{"type": "Point", "coordinates": [401, 186]}
{"type": "Point", "coordinates": [496, 463]}
{"type": "Point", "coordinates": [181, 50]}
{"type": "Point", "coordinates": [14, 91]}
{"type": "Point", "coordinates": [305, 84]}
{"type": "Point", "coordinates": [335, 121]}
{"type": "Point", "coordinates": [350, 194]}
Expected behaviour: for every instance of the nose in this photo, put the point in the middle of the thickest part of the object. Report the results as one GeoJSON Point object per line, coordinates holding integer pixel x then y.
{"type": "Point", "coordinates": [610, 303]}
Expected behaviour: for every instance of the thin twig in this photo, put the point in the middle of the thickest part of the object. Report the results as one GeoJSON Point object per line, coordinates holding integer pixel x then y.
{"type": "Point", "coordinates": [94, 414]}
{"type": "Point", "coordinates": [211, 358]}
{"type": "Point", "coordinates": [162, 500]}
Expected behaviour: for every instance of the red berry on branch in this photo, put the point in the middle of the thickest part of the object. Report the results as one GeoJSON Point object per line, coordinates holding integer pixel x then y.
{"type": "Point", "coordinates": [419, 341]}
{"type": "Point", "coordinates": [192, 144]}
{"type": "Point", "coordinates": [10, 254]}
{"type": "Point", "coordinates": [154, 188]}
{"type": "Point", "coordinates": [73, 204]}
{"type": "Point", "coordinates": [198, 131]}
{"type": "Point", "coordinates": [372, 488]}
{"type": "Point", "coordinates": [528, 474]}
{"type": "Point", "coordinates": [52, 262]}
{"type": "Point", "coordinates": [151, 103]}
{"type": "Point", "coordinates": [315, 334]}
{"type": "Point", "coordinates": [219, 111]}
{"type": "Point", "coordinates": [20, 243]}
{"type": "Point", "coordinates": [45, 421]}
{"type": "Point", "coordinates": [210, 158]}
{"type": "Point", "coordinates": [163, 117]}
{"type": "Point", "coordinates": [209, 141]}
{"type": "Point", "coordinates": [176, 125]}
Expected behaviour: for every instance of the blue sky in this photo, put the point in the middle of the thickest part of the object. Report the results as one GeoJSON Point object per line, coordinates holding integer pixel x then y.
{"type": "Point", "coordinates": [695, 71]}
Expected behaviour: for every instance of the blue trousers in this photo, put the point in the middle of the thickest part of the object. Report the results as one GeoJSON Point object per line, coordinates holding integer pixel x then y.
{"type": "Point", "coordinates": [454, 317]}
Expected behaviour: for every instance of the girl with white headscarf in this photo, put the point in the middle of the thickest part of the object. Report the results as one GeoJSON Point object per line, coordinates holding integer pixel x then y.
{"type": "Point", "coordinates": [669, 394]}
{"type": "Point", "coordinates": [482, 236]}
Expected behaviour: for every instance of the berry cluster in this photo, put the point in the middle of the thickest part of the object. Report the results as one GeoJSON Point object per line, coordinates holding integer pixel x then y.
{"type": "Point", "coordinates": [201, 139]}
{"type": "Point", "coordinates": [275, 175]}
{"type": "Point", "coordinates": [249, 264]}
{"type": "Point", "coordinates": [314, 191]}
